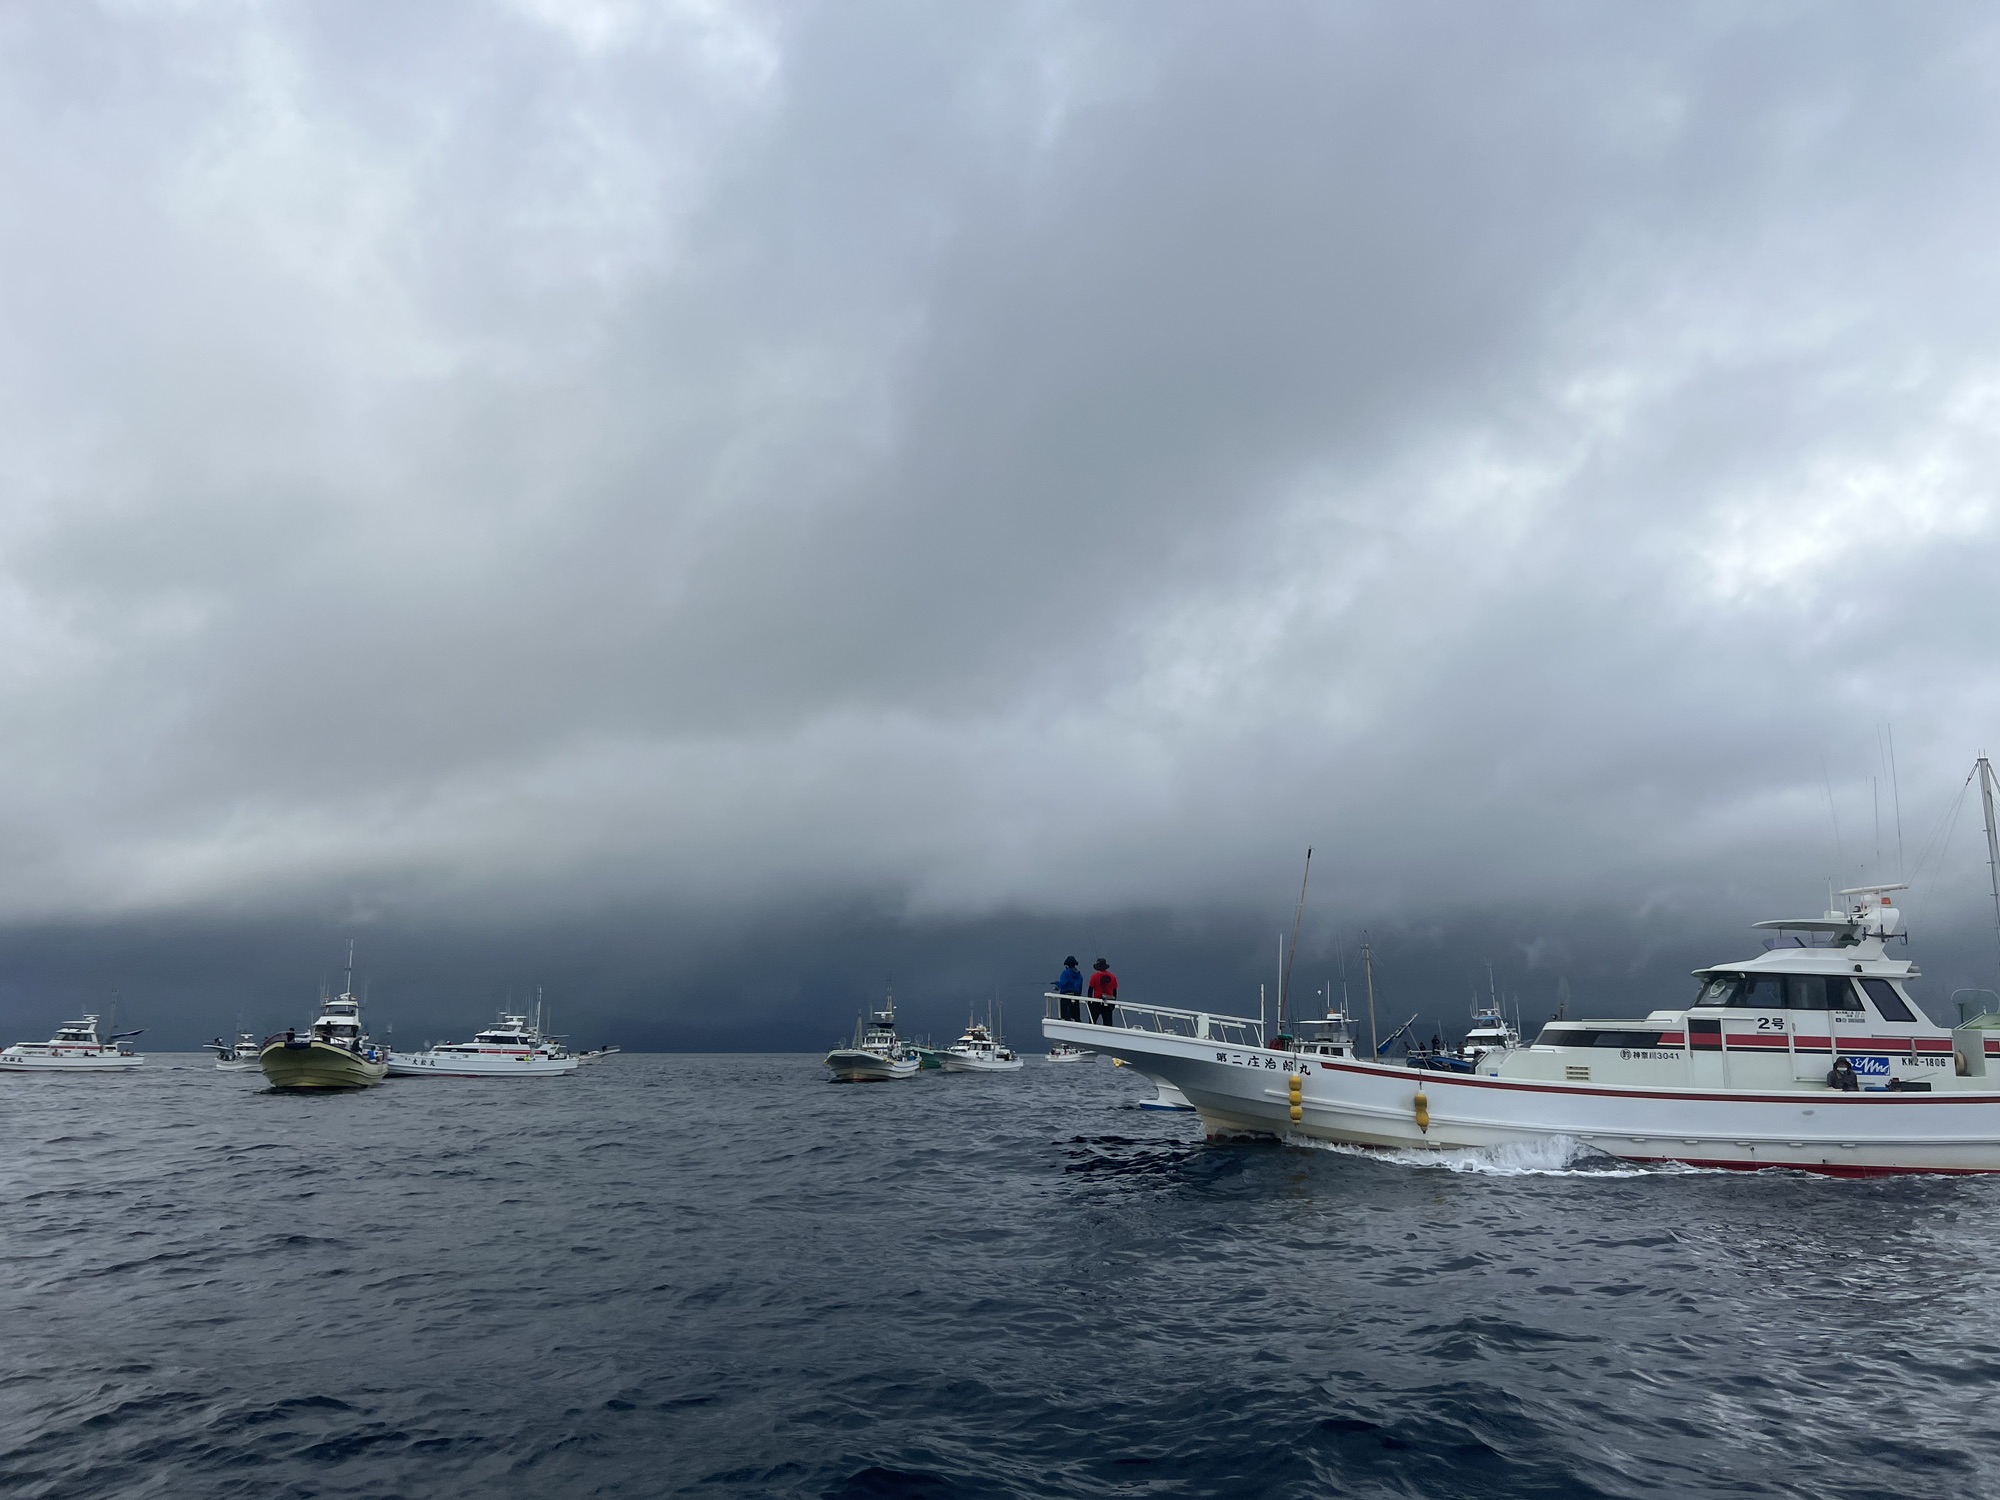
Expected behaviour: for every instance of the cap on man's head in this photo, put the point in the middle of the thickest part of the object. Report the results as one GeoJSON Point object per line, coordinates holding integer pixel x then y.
{"type": "Point", "coordinates": [1100, 964]}
{"type": "Point", "coordinates": [1070, 962]}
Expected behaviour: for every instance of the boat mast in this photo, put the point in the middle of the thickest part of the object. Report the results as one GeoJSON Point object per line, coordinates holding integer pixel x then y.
{"type": "Point", "coordinates": [1368, 961]}
{"type": "Point", "coordinates": [349, 991]}
{"type": "Point", "coordinates": [1285, 968]}
{"type": "Point", "coordinates": [1985, 769]}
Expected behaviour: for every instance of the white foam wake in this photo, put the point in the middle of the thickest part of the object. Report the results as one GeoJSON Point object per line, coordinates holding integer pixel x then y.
{"type": "Point", "coordinates": [1552, 1156]}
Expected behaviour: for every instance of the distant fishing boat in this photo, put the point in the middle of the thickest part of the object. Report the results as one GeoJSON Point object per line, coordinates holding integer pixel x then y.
{"type": "Point", "coordinates": [877, 1054]}
{"type": "Point", "coordinates": [598, 1054]}
{"type": "Point", "coordinates": [239, 1056]}
{"type": "Point", "coordinates": [1063, 1052]}
{"type": "Point", "coordinates": [333, 1054]}
{"type": "Point", "coordinates": [513, 1047]}
{"type": "Point", "coordinates": [76, 1047]}
{"type": "Point", "coordinates": [980, 1050]}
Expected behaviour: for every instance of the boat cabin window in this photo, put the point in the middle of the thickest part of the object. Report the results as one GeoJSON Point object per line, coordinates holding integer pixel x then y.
{"type": "Point", "coordinates": [1569, 1035]}
{"type": "Point", "coordinates": [1887, 1001]}
{"type": "Point", "coordinates": [1777, 992]}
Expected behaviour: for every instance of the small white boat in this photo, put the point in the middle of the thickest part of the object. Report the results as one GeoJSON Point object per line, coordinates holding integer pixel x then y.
{"type": "Point", "coordinates": [597, 1054]}
{"type": "Point", "coordinates": [1165, 1095]}
{"type": "Point", "coordinates": [76, 1047]}
{"type": "Point", "coordinates": [239, 1056]}
{"type": "Point", "coordinates": [877, 1054]}
{"type": "Point", "coordinates": [1063, 1052]}
{"type": "Point", "coordinates": [1491, 1031]}
{"type": "Point", "coordinates": [513, 1047]}
{"type": "Point", "coordinates": [1168, 1097]}
{"type": "Point", "coordinates": [978, 1050]}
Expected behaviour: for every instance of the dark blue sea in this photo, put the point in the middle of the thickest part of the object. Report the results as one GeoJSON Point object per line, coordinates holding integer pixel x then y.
{"type": "Point", "coordinates": [721, 1276]}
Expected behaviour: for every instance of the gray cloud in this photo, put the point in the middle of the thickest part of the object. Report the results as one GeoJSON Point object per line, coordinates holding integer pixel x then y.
{"type": "Point", "coordinates": [468, 464]}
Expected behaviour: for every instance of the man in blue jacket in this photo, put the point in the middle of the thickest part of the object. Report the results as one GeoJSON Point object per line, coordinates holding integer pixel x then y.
{"type": "Point", "coordinates": [1069, 984]}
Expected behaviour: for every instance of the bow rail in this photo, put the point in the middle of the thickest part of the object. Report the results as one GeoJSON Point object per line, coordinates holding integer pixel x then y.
{"type": "Point", "coordinates": [1162, 1020]}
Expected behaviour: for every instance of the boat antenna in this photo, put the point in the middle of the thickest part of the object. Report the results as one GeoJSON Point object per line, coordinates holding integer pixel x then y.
{"type": "Point", "coordinates": [1985, 769]}
{"type": "Point", "coordinates": [1896, 796]}
{"type": "Point", "coordinates": [1826, 780]}
{"type": "Point", "coordinates": [1285, 981]}
{"type": "Point", "coordinates": [1368, 962]}
{"type": "Point", "coordinates": [350, 968]}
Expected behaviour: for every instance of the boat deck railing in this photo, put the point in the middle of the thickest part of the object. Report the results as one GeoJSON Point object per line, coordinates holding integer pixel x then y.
{"type": "Point", "coordinates": [1162, 1020]}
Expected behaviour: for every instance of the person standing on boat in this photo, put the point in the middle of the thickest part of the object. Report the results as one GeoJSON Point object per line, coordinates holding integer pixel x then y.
{"type": "Point", "coordinates": [1069, 985]}
{"type": "Point", "coordinates": [1103, 994]}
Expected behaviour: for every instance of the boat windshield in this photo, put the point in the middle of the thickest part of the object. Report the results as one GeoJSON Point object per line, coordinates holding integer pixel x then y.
{"type": "Point", "coordinates": [1778, 992]}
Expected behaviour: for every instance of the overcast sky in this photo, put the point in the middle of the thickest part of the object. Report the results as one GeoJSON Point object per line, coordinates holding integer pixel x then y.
{"type": "Point", "coordinates": [687, 465]}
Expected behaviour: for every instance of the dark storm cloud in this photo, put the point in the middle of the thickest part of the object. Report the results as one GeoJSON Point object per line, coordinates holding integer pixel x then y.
{"type": "Point", "coordinates": [986, 461]}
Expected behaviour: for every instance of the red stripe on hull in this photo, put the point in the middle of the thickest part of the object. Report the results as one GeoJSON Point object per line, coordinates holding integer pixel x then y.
{"type": "Point", "coordinates": [1988, 1098]}
{"type": "Point", "coordinates": [1820, 1168]}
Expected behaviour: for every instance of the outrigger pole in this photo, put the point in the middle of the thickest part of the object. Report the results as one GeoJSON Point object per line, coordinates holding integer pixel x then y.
{"type": "Point", "coordinates": [1285, 979]}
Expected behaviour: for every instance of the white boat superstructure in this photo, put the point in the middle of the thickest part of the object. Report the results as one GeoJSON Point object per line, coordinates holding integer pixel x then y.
{"type": "Point", "coordinates": [239, 1056]}
{"type": "Point", "coordinates": [76, 1047]}
{"type": "Point", "coordinates": [877, 1054]}
{"type": "Point", "coordinates": [1810, 1055]}
{"type": "Point", "coordinates": [513, 1047]}
{"type": "Point", "coordinates": [978, 1050]}
{"type": "Point", "coordinates": [1490, 1031]}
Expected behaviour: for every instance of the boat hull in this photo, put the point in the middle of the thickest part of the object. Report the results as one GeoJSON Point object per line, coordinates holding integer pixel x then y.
{"type": "Point", "coordinates": [1239, 1090]}
{"type": "Point", "coordinates": [1167, 1099]}
{"type": "Point", "coordinates": [12, 1061]}
{"type": "Point", "coordinates": [318, 1065]}
{"type": "Point", "coordinates": [954, 1063]}
{"type": "Point", "coordinates": [431, 1065]}
{"type": "Point", "coordinates": [851, 1065]}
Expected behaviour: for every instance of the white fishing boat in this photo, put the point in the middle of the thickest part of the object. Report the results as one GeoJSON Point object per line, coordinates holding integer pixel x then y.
{"type": "Point", "coordinates": [75, 1048]}
{"type": "Point", "coordinates": [978, 1050]}
{"type": "Point", "coordinates": [1063, 1052]}
{"type": "Point", "coordinates": [335, 1053]}
{"type": "Point", "coordinates": [877, 1054]}
{"type": "Point", "coordinates": [239, 1056]}
{"type": "Point", "coordinates": [513, 1047]}
{"type": "Point", "coordinates": [1812, 1054]}
{"type": "Point", "coordinates": [598, 1054]}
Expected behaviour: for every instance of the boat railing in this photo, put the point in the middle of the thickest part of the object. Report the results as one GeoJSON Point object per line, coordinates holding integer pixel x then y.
{"type": "Point", "coordinates": [1161, 1020]}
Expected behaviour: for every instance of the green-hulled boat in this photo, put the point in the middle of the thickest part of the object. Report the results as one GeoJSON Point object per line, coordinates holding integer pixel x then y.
{"type": "Point", "coordinates": [334, 1054]}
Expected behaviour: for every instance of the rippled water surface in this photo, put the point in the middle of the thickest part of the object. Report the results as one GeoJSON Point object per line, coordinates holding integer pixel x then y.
{"type": "Point", "coordinates": [721, 1276]}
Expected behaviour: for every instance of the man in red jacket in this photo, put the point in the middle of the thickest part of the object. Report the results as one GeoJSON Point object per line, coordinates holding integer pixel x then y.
{"type": "Point", "coordinates": [1103, 993]}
